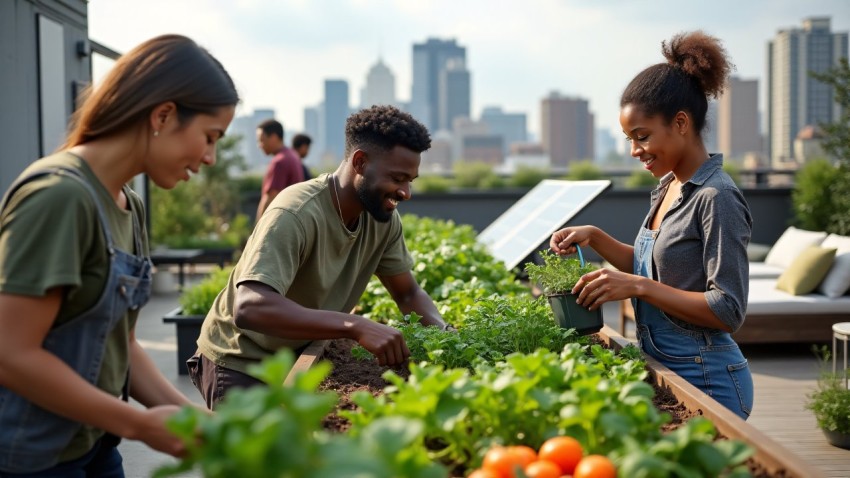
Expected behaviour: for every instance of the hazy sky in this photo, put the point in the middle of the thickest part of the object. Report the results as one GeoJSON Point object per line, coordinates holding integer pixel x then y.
{"type": "Point", "coordinates": [280, 51]}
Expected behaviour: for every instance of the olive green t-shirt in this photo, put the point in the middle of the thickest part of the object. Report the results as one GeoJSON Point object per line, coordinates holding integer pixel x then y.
{"type": "Point", "coordinates": [51, 236]}
{"type": "Point", "coordinates": [301, 249]}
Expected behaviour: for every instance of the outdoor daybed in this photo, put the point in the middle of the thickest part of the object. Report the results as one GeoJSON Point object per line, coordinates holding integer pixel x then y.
{"type": "Point", "coordinates": [815, 294]}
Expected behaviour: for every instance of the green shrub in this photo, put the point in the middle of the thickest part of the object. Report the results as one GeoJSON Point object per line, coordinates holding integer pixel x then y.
{"type": "Point", "coordinates": [584, 171]}
{"type": "Point", "coordinates": [491, 181]}
{"type": "Point", "coordinates": [527, 177]}
{"type": "Point", "coordinates": [640, 179]}
{"type": "Point", "coordinates": [471, 174]}
{"type": "Point", "coordinates": [431, 183]}
{"type": "Point", "coordinates": [198, 299]}
{"type": "Point", "coordinates": [813, 198]}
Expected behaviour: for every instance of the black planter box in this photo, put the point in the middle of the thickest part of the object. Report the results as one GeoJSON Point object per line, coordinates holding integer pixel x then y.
{"type": "Point", "coordinates": [188, 330]}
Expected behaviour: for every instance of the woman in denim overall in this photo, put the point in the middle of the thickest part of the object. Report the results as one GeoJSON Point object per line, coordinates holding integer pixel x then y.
{"type": "Point", "coordinates": [687, 273]}
{"type": "Point", "coordinates": [159, 112]}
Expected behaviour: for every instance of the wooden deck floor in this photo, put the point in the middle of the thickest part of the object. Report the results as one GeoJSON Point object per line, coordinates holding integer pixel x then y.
{"type": "Point", "coordinates": [783, 375]}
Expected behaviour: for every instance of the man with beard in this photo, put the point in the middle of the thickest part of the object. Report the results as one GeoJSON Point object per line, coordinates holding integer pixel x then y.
{"type": "Point", "coordinates": [312, 254]}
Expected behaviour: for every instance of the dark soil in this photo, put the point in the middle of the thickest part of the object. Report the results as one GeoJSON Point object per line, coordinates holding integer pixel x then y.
{"type": "Point", "coordinates": [350, 375]}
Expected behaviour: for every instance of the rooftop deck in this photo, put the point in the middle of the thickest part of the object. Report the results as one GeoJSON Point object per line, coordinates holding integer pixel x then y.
{"type": "Point", "coordinates": [783, 375]}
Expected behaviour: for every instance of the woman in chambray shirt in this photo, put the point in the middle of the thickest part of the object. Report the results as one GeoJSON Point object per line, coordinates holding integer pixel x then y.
{"type": "Point", "coordinates": [687, 273]}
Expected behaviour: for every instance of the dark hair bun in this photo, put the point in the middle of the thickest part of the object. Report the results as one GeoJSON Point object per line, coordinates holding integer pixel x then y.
{"type": "Point", "coordinates": [701, 56]}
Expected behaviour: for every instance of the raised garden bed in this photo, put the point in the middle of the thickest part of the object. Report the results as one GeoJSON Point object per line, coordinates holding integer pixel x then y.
{"type": "Point", "coordinates": [673, 395]}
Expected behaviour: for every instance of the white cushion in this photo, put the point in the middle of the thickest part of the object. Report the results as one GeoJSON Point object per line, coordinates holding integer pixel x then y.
{"type": "Point", "coordinates": [760, 270]}
{"type": "Point", "coordinates": [837, 280]}
{"type": "Point", "coordinates": [790, 244]}
{"type": "Point", "coordinates": [765, 299]}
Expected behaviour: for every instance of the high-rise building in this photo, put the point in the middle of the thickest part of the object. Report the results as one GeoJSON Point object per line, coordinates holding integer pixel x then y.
{"type": "Point", "coordinates": [454, 92]}
{"type": "Point", "coordinates": [335, 113]}
{"type": "Point", "coordinates": [605, 146]}
{"type": "Point", "coordinates": [379, 88]}
{"type": "Point", "coordinates": [312, 129]}
{"type": "Point", "coordinates": [511, 126]}
{"type": "Point", "coordinates": [795, 100]}
{"type": "Point", "coordinates": [246, 127]}
{"type": "Point", "coordinates": [429, 60]}
{"type": "Point", "coordinates": [738, 119]}
{"type": "Point", "coordinates": [709, 133]}
{"type": "Point", "coordinates": [566, 129]}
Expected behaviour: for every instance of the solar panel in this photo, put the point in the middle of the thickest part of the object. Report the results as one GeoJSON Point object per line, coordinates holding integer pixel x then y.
{"type": "Point", "coordinates": [532, 220]}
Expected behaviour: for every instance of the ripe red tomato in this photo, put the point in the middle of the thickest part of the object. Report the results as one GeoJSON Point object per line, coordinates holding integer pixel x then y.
{"type": "Point", "coordinates": [502, 461]}
{"type": "Point", "coordinates": [565, 452]}
{"type": "Point", "coordinates": [482, 473]}
{"type": "Point", "coordinates": [543, 469]}
{"type": "Point", "coordinates": [523, 455]}
{"type": "Point", "coordinates": [595, 466]}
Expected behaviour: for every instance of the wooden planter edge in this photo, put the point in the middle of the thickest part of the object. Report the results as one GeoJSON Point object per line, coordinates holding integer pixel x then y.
{"type": "Point", "coordinates": [309, 357]}
{"type": "Point", "coordinates": [769, 453]}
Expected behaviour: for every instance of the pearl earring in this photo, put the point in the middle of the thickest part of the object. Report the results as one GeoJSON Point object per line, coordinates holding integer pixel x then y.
{"type": "Point", "coordinates": [156, 133]}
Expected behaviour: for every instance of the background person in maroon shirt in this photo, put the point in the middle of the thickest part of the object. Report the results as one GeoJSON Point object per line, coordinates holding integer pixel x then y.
{"type": "Point", "coordinates": [285, 168]}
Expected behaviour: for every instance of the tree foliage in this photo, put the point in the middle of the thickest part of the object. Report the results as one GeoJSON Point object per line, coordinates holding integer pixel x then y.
{"type": "Point", "coordinates": [821, 195]}
{"type": "Point", "coordinates": [837, 141]}
{"type": "Point", "coordinates": [203, 212]}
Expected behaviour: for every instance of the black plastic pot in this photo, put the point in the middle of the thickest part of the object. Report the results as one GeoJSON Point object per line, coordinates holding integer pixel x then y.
{"type": "Point", "coordinates": [570, 315]}
{"type": "Point", "coordinates": [841, 440]}
{"type": "Point", "coordinates": [188, 329]}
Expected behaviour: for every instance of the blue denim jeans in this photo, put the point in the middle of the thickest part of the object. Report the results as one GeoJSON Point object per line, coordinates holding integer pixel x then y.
{"type": "Point", "coordinates": [712, 362]}
{"type": "Point", "coordinates": [102, 461]}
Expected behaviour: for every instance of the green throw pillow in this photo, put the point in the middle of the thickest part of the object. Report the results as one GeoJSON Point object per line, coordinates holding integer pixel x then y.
{"type": "Point", "coordinates": [806, 271]}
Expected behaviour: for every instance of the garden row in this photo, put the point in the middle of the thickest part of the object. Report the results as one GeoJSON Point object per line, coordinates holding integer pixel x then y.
{"type": "Point", "coordinates": [509, 376]}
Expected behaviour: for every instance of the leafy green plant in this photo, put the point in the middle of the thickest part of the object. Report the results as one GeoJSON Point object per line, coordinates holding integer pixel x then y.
{"type": "Point", "coordinates": [690, 450]}
{"type": "Point", "coordinates": [198, 298]}
{"type": "Point", "coordinates": [276, 431]}
{"type": "Point", "coordinates": [830, 401]}
{"type": "Point", "coordinates": [557, 275]}
{"type": "Point", "coordinates": [450, 265]}
{"type": "Point", "coordinates": [588, 392]}
{"type": "Point", "coordinates": [494, 328]}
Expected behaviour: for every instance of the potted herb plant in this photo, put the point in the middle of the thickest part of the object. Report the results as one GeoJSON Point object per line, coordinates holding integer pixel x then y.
{"type": "Point", "coordinates": [558, 276]}
{"type": "Point", "coordinates": [830, 402]}
{"type": "Point", "coordinates": [195, 302]}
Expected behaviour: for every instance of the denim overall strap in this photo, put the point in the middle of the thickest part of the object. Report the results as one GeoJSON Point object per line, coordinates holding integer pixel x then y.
{"type": "Point", "coordinates": [708, 359]}
{"type": "Point", "coordinates": [31, 438]}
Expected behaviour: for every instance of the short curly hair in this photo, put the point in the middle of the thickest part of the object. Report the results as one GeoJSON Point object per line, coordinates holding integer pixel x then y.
{"type": "Point", "coordinates": [385, 127]}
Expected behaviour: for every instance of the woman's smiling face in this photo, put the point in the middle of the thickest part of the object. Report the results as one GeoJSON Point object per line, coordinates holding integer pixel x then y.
{"type": "Point", "coordinates": [659, 146]}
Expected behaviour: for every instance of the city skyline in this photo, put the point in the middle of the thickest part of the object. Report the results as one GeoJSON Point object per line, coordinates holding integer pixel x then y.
{"type": "Point", "coordinates": [280, 53]}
